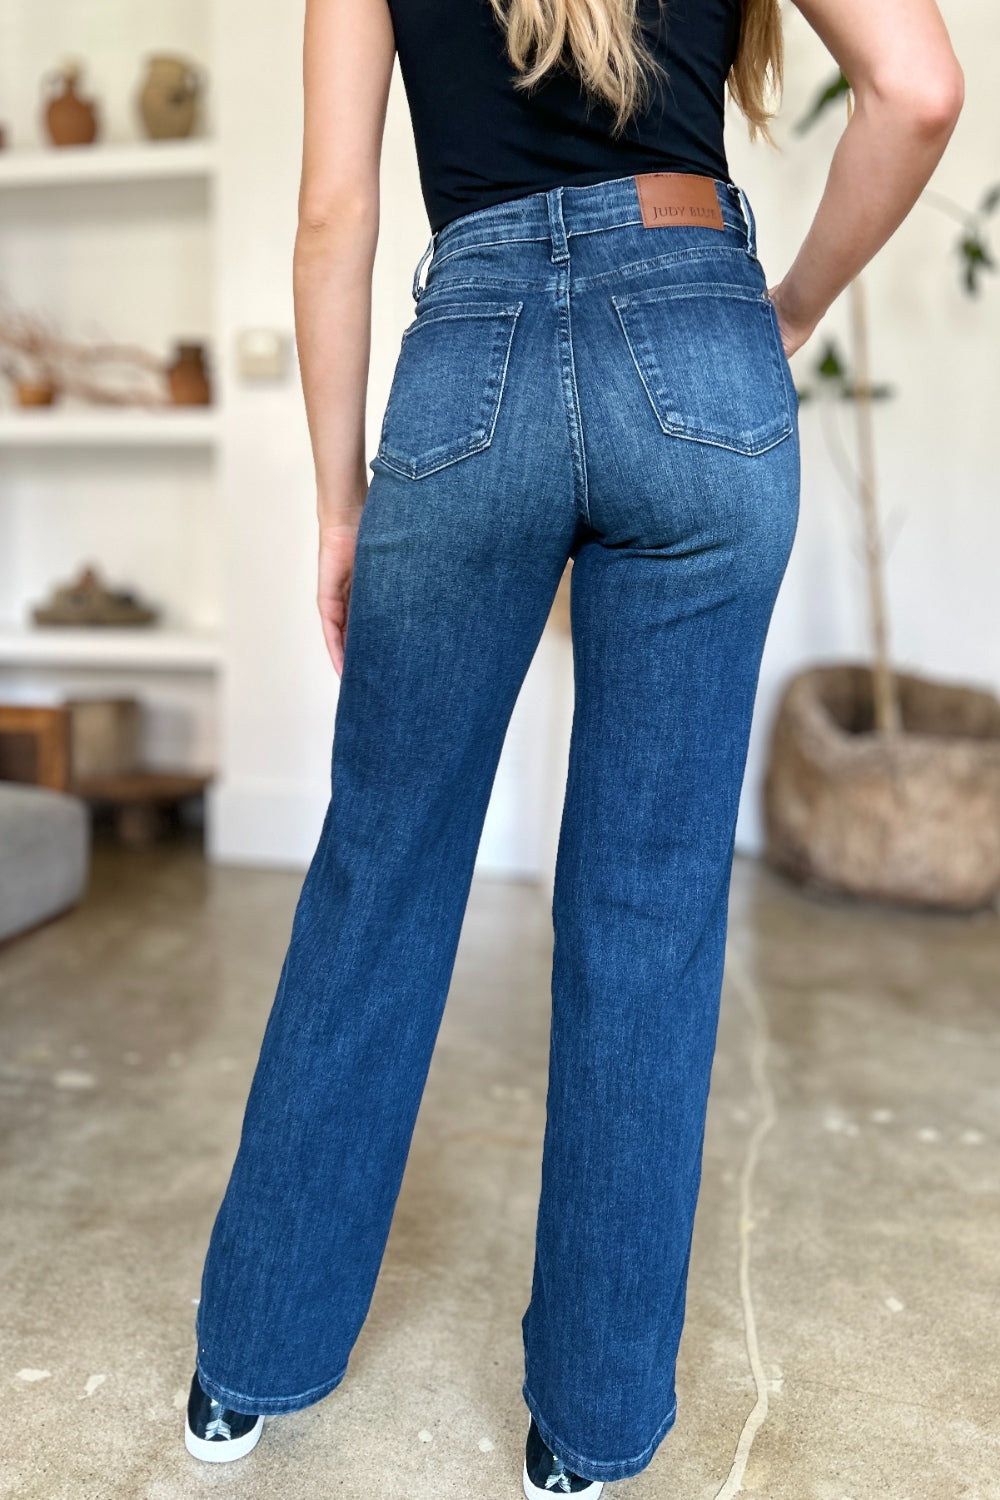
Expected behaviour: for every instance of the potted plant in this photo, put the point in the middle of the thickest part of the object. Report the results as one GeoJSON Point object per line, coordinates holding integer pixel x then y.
{"type": "Point", "coordinates": [880, 783]}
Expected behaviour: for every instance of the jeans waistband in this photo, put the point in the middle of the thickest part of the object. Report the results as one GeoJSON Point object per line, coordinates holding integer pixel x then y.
{"type": "Point", "coordinates": [557, 214]}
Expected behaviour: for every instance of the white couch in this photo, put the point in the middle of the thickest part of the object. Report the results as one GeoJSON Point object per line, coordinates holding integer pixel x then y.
{"type": "Point", "coordinates": [44, 854]}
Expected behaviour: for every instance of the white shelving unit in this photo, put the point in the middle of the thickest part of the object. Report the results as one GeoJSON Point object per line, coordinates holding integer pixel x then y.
{"type": "Point", "coordinates": [118, 646]}
{"type": "Point", "coordinates": [116, 241]}
{"type": "Point", "coordinates": [46, 173]}
{"type": "Point", "coordinates": [50, 427]}
{"type": "Point", "coordinates": [140, 161]}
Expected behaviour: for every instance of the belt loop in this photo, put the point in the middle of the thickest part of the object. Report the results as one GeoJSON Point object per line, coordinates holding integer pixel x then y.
{"type": "Point", "coordinates": [557, 225]}
{"type": "Point", "coordinates": [748, 220]}
{"type": "Point", "coordinates": [417, 288]}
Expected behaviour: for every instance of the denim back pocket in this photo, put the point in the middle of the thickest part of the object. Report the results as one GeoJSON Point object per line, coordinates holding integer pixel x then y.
{"type": "Point", "coordinates": [711, 360]}
{"type": "Point", "coordinates": [447, 386]}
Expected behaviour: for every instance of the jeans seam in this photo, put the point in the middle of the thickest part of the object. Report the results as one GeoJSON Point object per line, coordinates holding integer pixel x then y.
{"type": "Point", "coordinates": [291, 1403]}
{"type": "Point", "coordinates": [483, 279]}
{"type": "Point", "coordinates": [528, 239]}
{"type": "Point", "coordinates": [572, 1457]}
{"type": "Point", "coordinates": [574, 234]}
{"type": "Point", "coordinates": [571, 394]}
{"type": "Point", "coordinates": [692, 254]}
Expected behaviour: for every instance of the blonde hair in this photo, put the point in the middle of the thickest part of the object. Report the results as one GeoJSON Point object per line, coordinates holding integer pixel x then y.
{"type": "Point", "coordinates": [608, 51]}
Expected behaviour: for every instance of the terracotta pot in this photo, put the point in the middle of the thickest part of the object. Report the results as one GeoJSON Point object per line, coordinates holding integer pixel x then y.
{"type": "Point", "coordinates": [168, 99]}
{"type": "Point", "coordinates": [187, 377]}
{"type": "Point", "coordinates": [34, 392]}
{"type": "Point", "coordinates": [69, 119]}
{"type": "Point", "coordinates": [912, 818]}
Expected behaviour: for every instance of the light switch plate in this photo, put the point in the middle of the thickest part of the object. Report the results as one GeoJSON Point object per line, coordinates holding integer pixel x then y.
{"type": "Point", "coordinates": [262, 353]}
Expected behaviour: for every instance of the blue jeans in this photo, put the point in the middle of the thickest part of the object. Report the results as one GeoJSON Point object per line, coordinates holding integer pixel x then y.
{"type": "Point", "coordinates": [573, 384]}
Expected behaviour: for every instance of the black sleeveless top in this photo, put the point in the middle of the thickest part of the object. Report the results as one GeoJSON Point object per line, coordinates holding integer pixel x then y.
{"type": "Point", "coordinates": [480, 141]}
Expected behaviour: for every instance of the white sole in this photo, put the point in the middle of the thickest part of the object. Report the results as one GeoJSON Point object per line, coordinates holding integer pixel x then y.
{"type": "Point", "coordinates": [212, 1451]}
{"type": "Point", "coordinates": [532, 1491]}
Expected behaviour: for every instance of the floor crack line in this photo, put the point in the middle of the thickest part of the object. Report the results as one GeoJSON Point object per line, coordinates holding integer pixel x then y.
{"type": "Point", "coordinates": [759, 1049]}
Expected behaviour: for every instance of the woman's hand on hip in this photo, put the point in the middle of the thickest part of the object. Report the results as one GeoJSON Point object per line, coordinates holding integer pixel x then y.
{"type": "Point", "coordinates": [792, 337]}
{"type": "Point", "coordinates": [336, 568]}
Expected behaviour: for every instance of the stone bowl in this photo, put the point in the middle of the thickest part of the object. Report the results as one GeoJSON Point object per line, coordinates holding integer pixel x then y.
{"type": "Point", "coordinates": [911, 818]}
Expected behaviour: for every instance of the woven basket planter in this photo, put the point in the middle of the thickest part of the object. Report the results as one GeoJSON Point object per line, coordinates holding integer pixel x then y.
{"type": "Point", "coordinates": [912, 818]}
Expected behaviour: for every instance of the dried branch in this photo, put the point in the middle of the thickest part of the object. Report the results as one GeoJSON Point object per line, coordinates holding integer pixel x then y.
{"type": "Point", "coordinates": [104, 373]}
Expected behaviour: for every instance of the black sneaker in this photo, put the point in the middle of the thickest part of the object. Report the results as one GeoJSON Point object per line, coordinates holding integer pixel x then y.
{"type": "Point", "coordinates": [214, 1433]}
{"type": "Point", "coordinates": [546, 1475]}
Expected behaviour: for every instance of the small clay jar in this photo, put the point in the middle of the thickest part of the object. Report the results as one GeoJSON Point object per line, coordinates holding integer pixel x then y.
{"type": "Point", "coordinates": [187, 377]}
{"type": "Point", "coordinates": [69, 119]}
{"type": "Point", "coordinates": [34, 392]}
{"type": "Point", "coordinates": [168, 99]}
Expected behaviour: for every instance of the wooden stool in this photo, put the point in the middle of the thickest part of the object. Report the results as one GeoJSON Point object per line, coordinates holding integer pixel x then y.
{"type": "Point", "coordinates": [140, 799]}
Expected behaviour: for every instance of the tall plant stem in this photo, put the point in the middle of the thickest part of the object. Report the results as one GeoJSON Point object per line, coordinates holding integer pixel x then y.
{"type": "Point", "coordinates": [888, 719]}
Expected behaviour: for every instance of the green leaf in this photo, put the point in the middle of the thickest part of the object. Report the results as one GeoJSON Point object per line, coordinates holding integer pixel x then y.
{"type": "Point", "coordinates": [830, 366]}
{"type": "Point", "coordinates": [976, 258]}
{"type": "Point", "coordinates": [991, 199]}
{"type": "Point", "coordinates": [827, 96]}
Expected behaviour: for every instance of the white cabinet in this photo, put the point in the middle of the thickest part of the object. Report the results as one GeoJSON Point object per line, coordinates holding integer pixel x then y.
{"type": "Point", "coordinates": [113, 241]}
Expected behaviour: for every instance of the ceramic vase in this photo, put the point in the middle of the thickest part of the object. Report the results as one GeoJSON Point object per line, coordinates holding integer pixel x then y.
{"type": "Point", "coordinates": [168, 98]}
{"type": "Point", "coordinates": [70, 120]}
{"type": "Point", "coordinates": [187, 377]}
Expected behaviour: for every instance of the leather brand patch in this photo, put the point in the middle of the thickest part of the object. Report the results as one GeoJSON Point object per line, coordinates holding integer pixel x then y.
{"type": "Point", "coordinates": [678, 198]}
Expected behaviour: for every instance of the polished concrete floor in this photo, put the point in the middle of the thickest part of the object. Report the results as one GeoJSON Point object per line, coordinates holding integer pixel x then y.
{"type": "Point", "coordinates": [844, 1305]}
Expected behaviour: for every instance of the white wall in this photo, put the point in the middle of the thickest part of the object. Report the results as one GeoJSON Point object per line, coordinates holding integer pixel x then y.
{"type": "Point", "coordinates": [278, 697]}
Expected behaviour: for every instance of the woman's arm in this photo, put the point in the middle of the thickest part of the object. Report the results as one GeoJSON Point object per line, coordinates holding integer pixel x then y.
{"type": "Point", "coordinates": [908, 92]}
{"type": "Point", "coordinates": [347, 68]}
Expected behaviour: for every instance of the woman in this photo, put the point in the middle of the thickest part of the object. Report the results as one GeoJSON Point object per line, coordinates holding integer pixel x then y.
{"type": "Point", "coordinates": [596, 370]}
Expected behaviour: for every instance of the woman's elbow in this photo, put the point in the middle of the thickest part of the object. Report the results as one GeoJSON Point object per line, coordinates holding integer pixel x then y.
{"type": "Point", "coordinates": [334, 212]}
{"type": "Point", "coordinates": [931, 101]}
{"type": "Point", "coordinates": [941, 100]}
